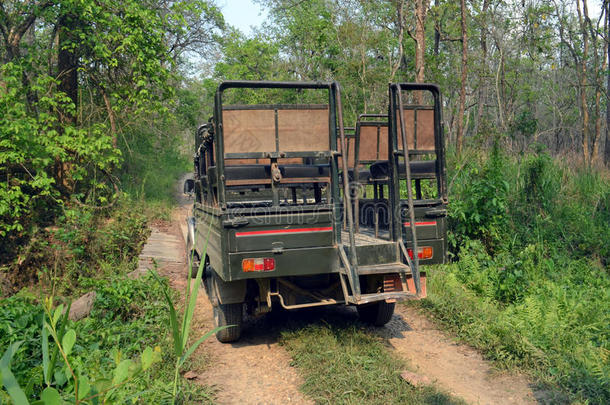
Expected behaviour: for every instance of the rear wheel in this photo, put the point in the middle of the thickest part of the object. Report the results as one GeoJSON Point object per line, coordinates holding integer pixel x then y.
{"type": "Point", "coordinates": [228, 314]}
{"type": "Point", "coordinates": [224, 314]}
{"type": "Point", "coordinates": [378, 313]}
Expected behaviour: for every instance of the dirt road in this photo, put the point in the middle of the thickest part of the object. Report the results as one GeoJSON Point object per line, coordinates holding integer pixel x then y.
{"type": "Point", "coordinates": [457, 368]}
{"type": "Point", "coordinates": [256, 370]}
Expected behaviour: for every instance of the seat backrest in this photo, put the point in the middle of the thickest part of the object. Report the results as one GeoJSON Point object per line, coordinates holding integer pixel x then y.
{"type": "Point", "coordinates": [419, 124]}
{"type": "Point", "coordinates": [275, 128]}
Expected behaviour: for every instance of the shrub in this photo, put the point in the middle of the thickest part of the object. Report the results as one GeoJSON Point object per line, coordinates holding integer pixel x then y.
{"type": "Point", "coordinates": [531, 283]}
{"type": "Point", "coordinates": [478, 208]}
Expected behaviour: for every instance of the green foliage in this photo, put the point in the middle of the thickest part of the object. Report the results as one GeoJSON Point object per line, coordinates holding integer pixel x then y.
{"type": "Point", "coordinates": [248, 59]}
{"type": "Point", "coordinates": [70, 380]}
{"type": "Point", "coordinates": [119, 335]}
{"type": "Point", "coordinates": [57, 146]}
{"type": "Point", "coordinates": [542, 185]}
{"type": "Point", "coordinates": [154, 162]}
{"type": "Point", "coordinates": [479, 206]}
{"type": "Point", "coordinates": [8, 379]}
{"type": "Point", "coordinates": [20, 320]}
{"type": "Point", "coordinates": [541, 300]}
{"type": "Point", "coordinates": [33, 146]}
{"type": "Point", "coordinates": [85, 243]}
{"type": "Point", "coordinates": [525, 123]}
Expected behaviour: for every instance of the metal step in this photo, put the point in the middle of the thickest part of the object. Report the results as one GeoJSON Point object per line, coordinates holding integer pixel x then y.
{"type": "Point", "coordinates": [396, 267]}
{"type": "Point", "coordinates": [368, 298]}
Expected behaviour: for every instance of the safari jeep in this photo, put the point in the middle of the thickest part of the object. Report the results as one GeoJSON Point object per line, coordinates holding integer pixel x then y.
{"type": "Point", "coordinates": [282, 217]}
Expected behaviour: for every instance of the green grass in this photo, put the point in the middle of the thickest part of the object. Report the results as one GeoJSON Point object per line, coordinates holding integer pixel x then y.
{"type": "Point", "coordinates": [343, 363]}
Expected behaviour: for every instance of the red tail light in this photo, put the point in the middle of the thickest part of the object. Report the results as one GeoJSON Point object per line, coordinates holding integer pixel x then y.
{"type": "Point", "coordinates": [258, 264]}
{"type": "Point", "coordinates": [424, 252]}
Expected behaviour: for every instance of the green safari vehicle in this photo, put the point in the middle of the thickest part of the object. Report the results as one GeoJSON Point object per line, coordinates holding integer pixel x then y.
{"type": "Point", "coordinates": [293, 221]}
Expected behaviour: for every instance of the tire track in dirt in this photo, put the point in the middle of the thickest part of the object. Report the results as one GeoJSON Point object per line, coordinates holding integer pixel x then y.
{"type": "Point", "coordinates": [254, 370]}
{"type": "Point", "coordinates": [456, 368]}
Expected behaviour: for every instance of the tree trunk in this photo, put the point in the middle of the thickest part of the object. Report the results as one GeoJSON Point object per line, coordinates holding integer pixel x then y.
{"type": "Point", "coordinates": [599, 80]}
{"type": "Point", "coordinates": [583, 84]}
{"type": "Point", "coordinates": [111, 117]}
{"type": "Point", "coordinates": [460, 119]}
{"type": "Point", "coordinates": [482, 83]}
{"type": "Point", "coordinates": [607, 147]}
{"type": "Point", "coordinates": [67, 66]}
{"type": "Point", "coordinates": [401, 32]}
{"type": "Point", "coordinates": [498, 92]}
{"type": "Point", "coordinates": [437, 34]}
{"type": "Point", "coordinates": [421, 11]}
{"type": "Point", "coordinates": [67, 75]}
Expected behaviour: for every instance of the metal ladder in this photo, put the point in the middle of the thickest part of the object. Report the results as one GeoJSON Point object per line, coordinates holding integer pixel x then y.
{"type": "Point", "coordinates": [349, 276]}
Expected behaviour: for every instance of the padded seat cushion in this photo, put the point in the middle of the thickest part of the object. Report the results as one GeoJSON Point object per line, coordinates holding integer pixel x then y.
{"type": "Point", "coordinates": [292, 171]}
{"type": "Point", "coordinates": [363, 174]}
{"type": "Point", "coordinates": [419, 169]}
{"type": "Point", "coordinates": [242, 172]}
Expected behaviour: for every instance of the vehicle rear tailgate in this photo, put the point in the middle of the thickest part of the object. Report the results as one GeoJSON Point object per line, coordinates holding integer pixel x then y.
{"type": "Point", "coordinates": [284, 231]}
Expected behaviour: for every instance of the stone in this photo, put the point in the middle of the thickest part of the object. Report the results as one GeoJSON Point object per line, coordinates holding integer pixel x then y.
{"type": "Point", "coordinates": [81, 308]}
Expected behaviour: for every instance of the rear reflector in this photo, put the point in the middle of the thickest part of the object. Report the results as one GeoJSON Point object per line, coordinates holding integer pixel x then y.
{"type": "Point", "coordinates": [258, 264]}
{"type": "Point", "coordinates": [424, 252]}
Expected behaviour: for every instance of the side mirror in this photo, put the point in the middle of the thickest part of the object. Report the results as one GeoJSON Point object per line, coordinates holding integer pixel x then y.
{"type": "Point", "coordinates": [189, 186]}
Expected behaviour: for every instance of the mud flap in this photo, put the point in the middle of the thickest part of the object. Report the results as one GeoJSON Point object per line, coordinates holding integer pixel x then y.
{"type": "Point", "coordinates": [228, 292]}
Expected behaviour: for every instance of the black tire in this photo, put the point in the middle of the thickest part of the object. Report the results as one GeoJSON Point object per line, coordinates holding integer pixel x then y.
{"type": "Point", "coordinates": [228, 314]}
{"type": "Point", "coordinates": [378, 313]}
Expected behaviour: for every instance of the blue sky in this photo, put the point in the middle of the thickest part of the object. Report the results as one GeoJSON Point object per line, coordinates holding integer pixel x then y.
{"type": "Point", "coordinates": [242, 14]}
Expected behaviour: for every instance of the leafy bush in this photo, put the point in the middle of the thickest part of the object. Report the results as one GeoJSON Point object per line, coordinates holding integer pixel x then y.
{"type": "Point", "coordinates": [21, 319]}
{"type": "Point", "coordinates": [531, 284]}
{"type": "Point", "coordinates": [32, 180]}
{"type": "Point", "coordinates": [479, 205]}
{"type": "Point", "coordinates": [83, 243]}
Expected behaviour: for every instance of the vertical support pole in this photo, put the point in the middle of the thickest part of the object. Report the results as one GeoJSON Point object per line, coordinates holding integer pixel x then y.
{"type": "Point", "coordinates": [440, 147]}
{"type": "Point", "coordinates": [355, 281]}
{"type": "Point", "coordinates": [394, 209]}
{"type": "Point", "coordinates": [334, 172]}
{"type": "Point", "coordinates": [405, 149]}
{"type": "Point", "coordinates": [220, 161]}
{"type": "Point", "coordinates": [357, 173]}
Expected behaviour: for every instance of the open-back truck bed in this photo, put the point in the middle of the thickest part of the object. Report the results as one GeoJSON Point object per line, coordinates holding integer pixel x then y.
{"type": "Point", "coordinates": [276, 211]}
